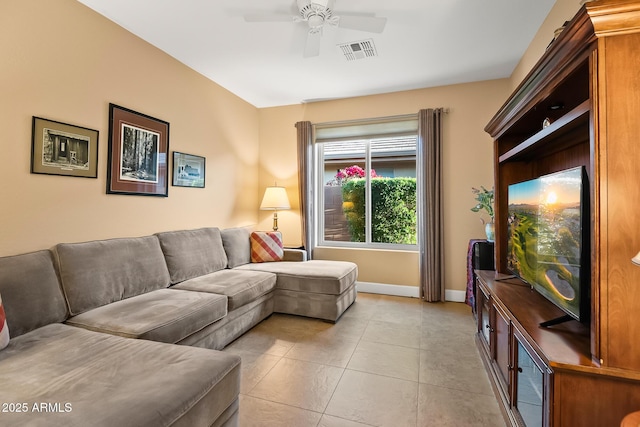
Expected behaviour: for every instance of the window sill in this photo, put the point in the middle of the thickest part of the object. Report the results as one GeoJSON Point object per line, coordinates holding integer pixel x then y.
{"type": "Point", "coordinates": [376, 248]}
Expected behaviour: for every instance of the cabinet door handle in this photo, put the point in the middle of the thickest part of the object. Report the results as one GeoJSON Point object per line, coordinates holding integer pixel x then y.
{"type": "Point", "coordinates": [519, 369]}
{"type": "Point", "coordinates": [487, 326]}
{"type": "Point", "coordinates": [510, 367]}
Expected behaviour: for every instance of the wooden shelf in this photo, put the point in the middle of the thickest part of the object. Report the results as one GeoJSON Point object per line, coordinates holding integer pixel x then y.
{"type": "Point", "coordinates": [589, 73]}
{"type": "Point", "coordinates": [561, 345]}
{"type": "Point", "coordinates": [555, 137]}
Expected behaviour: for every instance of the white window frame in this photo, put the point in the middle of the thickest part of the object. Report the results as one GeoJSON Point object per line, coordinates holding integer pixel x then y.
{"type": "Point", "coordinates": [360, 130]}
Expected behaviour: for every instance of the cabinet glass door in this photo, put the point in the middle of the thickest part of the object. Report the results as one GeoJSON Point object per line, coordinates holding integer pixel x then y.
{"type": "Point", "coordinates": [485, 322]}
{"type": "Point", "coordinates": [484, 319]}
{"type": "Point", "coordinates": [502, 347]}
{"type": "Point", "coordinates": [529, 387]}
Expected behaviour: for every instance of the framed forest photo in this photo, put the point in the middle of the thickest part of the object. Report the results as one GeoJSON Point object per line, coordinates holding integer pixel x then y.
{"type": "Point", "coordinates": [138, 153]}
{"type": "Point", "coordinates": [188, 170]}
{"type": "Point", "coordinates": [63, 149]}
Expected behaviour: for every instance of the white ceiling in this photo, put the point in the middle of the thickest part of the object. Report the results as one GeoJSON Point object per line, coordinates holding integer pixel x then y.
{"type": "Point", "coordinates": [425, 43]}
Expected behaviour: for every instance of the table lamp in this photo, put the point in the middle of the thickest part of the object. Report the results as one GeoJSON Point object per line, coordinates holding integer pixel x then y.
{"type": "Point", "coordinates": [275, 198]}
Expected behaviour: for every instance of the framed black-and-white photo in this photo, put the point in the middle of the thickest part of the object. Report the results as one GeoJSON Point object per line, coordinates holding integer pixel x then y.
{"type": "Point", "coordinates": [138, 153]}
{"type": "Point", "coordinates": [188, 170]}
{"type": "Point", "coordinates": [63, 149]}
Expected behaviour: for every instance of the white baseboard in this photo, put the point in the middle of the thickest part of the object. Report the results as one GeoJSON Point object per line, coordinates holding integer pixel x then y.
{"type": "Point", "coordinates": [405, 291]}
{"type": "Point", "coordinates": [454, 296]}
{"type": "Point", "coordinates": [385, 289]}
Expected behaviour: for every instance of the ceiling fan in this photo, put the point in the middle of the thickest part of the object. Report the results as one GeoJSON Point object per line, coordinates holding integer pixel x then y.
{"type": "Point", "coordinates": [317, 13]}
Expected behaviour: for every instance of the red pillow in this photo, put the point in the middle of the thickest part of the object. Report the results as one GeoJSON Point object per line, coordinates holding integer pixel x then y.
{"type": "Point", "coordinates": [266, 246]}
{"type": "Point", "coordinates": [4, 329]}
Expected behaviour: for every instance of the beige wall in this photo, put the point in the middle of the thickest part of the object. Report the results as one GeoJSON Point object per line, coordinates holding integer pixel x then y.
{"type": "Point", "coordinates": [64, 62]}
{"type": "Point", "coordinates": [378, 266]}
{"type": "Point", "coordinates": [468, 161]}
{"type": "Point", "coordinates": [562, 11]}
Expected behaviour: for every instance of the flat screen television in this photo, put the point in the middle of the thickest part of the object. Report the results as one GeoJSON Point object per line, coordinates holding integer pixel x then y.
{"type": "Point", "coordinates": [548, 241]}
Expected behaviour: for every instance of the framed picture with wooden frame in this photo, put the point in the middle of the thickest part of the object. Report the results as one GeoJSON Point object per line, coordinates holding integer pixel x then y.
{"type": "Point", "coordinates": [188, 170]}
{"type": "Point", "coordinates": [138, 153]}
{"type": "Point", "coordinates": [62, 149]}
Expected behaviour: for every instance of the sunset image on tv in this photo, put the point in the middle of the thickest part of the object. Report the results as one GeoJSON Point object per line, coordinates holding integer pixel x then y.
{"type": "Point", "coordinates": [544, 236]}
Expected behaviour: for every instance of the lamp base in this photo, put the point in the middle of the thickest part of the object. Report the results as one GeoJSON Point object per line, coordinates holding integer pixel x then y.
{"type": "Point", "coordinates": [275, 221]}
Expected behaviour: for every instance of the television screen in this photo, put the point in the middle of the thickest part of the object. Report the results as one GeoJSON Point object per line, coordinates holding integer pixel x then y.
{"type": "Point", "coordinates": [545, 240]}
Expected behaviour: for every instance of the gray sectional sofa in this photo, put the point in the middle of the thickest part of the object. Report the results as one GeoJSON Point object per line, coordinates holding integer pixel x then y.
{"type": "Point", "coordinates": [94, 326]}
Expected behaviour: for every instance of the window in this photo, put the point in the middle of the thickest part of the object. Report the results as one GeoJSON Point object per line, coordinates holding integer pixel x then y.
{"type": "Point", "coordinates": [366, 184]}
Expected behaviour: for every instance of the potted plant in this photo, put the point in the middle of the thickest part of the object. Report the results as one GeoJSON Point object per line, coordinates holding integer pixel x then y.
{"type": "Point", "coordinates": [484, 199]}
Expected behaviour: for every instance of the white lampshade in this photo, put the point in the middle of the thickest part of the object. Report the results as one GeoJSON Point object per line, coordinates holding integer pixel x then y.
{"type": "Point", "coordinates": [275, 198]}
{"type": "Point", "coordinates": [636, 259]}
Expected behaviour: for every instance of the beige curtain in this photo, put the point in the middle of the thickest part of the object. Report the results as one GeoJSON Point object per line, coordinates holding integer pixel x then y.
{"type": "Point", "coordinates": [431, 234]}
{"type": "Point", "coordinates": [305, 145]}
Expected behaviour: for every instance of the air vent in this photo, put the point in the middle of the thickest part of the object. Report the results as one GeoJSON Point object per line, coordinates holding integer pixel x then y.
{"type": "Point", "coordinates": [358, 50]}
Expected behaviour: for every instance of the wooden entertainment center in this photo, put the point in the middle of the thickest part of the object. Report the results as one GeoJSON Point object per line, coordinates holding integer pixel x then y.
{"type": "Point", "coordinates": [587, 84]}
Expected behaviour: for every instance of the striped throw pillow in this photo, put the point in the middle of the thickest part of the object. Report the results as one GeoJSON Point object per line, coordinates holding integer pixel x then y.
{"type": "Point", "coordinates": [4, 329]}
{"type": "Point", "coordinates": [266, 246]}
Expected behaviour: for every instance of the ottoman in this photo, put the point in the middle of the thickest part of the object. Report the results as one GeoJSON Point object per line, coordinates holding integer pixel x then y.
{"type": "Point", "coordinates": [318, 288]}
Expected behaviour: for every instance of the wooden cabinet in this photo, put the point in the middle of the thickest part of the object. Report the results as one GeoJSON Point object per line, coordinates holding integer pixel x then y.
{"type": "Point", "coordinates": [483, 309]}
{"type": "Point", "coordinates": [519, 368]}
{"type": "Point", "coordinates": [587, 84]}
{"type": "Point", "coordinates": [531, 390]}
{"type": "Point", "coordinates": [494, 334]}
{"type": "Point", "coordinates": [502, 347]}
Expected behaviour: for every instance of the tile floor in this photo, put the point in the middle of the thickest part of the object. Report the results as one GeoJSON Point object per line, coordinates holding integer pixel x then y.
{"type": "Point", "coordinates": [389, 361]}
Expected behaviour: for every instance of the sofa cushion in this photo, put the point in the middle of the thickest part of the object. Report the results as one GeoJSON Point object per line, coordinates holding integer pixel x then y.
{"type": "Point", "coordinates": [266, 246]}
{"type": "Point", "coordinates": [240, 287]}
{"type": "Point", "coordinates": [317, 306]}
{"type": "Point", "coordinates": [192, 253]}
{"type": "Point", "coordinates": [295, 254]}
{"type": "Point", "coordinates": [31, 292]}
{"type": "Point", "coordinates": [4, 328]}
{"type": "Point", "coordinates": [104, 271]}
{"type": "Point", "coordinates": [104, 380]}
{"type": "Point", "coordinates": [316, 276]}
{"type": "Point", "coordinates": [237, 246]}
{"type": "Point", "coordinates": [163, 315]}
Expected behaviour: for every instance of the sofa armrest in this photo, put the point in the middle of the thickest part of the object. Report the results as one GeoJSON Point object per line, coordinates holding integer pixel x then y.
{"type": "Point", "coordinates": [294, 254]}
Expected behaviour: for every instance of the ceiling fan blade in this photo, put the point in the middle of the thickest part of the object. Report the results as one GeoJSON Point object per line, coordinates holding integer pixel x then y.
{"type": "Point", "coordinates": [312, 46]}
{"type": "Point", "coordinates": [369, 24]}
{"type": "Point", "coordinates": [268, 17]}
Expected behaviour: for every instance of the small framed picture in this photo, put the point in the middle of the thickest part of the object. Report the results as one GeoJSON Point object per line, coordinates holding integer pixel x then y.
{"type": "Point", "coordinates": [63, 149]}
{"type": "Point", "coordinates": [188, 170]}
{"type": "Point", "coordinates": [138, 153]}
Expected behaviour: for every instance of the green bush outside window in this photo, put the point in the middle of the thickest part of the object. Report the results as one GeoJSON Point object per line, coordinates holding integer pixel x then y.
{"type": "Point", "coordinates": [394, 215]}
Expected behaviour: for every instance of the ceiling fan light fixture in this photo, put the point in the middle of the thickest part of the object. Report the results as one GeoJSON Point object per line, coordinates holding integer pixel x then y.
{"type": "Point", "coordinates": [318, 10]}
{"type": "Point", "coordinates": [323, 4]}
{"type": "Point", "coordinates": [315, 21]}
